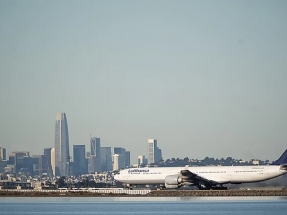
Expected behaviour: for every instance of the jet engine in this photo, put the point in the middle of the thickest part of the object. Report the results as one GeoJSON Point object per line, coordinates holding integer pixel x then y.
{"type": "Point", "coordinates": [173, 181]}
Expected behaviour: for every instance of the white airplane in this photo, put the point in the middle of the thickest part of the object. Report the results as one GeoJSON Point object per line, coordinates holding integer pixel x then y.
{"type": "Point", "coordinates": [208, 177]}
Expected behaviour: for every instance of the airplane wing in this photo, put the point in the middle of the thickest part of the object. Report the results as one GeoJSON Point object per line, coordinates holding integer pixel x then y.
{"type": "Point", "coordinates": [195, 179]}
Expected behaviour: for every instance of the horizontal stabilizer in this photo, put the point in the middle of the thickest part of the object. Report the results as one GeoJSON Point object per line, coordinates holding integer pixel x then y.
{"type": "Point", "coordinates": [282, 159]}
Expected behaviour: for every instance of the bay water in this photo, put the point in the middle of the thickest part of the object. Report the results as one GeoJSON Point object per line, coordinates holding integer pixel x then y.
{"type": "Point", "coordinates": [143, 205]}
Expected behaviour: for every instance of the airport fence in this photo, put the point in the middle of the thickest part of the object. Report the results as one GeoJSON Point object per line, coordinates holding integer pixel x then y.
{"type": "Point", "coordinates": [103, 191]}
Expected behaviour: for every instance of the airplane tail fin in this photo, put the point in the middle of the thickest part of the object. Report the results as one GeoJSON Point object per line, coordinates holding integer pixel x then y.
{"type": "Point", "coordinates": [282, 159]}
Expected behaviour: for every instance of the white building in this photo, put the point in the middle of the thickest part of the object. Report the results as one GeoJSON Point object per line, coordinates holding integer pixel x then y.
{"type": "Point", "coordinates": [2, 153]}
{"type": "Point", "coordinates": [53, 161]}
{"type": "Point", "coordinates": [118, 162]}
{"type": "Point", "coordinates": [142, 160]}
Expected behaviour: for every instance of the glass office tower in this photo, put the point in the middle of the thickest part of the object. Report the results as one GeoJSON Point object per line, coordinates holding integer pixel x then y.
{"type": "Point", "coordinates": [62, 155]}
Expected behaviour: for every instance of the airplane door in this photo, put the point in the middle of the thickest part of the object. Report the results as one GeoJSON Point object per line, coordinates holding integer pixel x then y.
{"type": "Point", "coordinates": [229, 175]}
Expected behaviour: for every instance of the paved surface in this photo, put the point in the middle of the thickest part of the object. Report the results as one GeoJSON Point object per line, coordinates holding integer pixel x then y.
{"type": "Point", "coordinates": [218, 193]}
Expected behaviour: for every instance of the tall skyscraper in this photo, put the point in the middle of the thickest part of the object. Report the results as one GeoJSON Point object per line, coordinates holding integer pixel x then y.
{"type": "Point", "coordinates": [154, 153]}
{"type": "Point", "coordinates": [37, 161]}
{"type": "Point", "coordinates": [62, 155]}
{"type": "Point", "coordinates": [127, 159]}
{"type": "Point", "coordinates": [120, 151]}
{"type": "Point", "coordinates": [79, 160]}
{"type": "Point", "coordinates": [11, 162]}
{"type": "Point", "coordinates": [21, 161]}
{"type": "Point", "coordinates": [123, 155]}
{"type": "Point", "coordinates": [2, 153]}
{"type": "Point", "coordinates": [95, 146]}
{"type": "Point", "coordinates": [106, 159]}
{"type": "Point", "coordinates": [94, 164]}
{"type": "Point", "coordinates": [47, 166]}
{"type": "Point", "coordinates": [3, 164]}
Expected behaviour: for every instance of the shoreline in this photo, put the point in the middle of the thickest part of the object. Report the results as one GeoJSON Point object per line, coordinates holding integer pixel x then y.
{"type": "Point", "coordinates": [162, 193]}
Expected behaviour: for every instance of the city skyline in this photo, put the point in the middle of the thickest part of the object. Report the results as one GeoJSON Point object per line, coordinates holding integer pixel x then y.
{"type": "Point", "coordinates": [204, 78]}
{"type": "Point", "coordinates": [95, 143]}
{"type": "Point", "coordinates": [141, 158]}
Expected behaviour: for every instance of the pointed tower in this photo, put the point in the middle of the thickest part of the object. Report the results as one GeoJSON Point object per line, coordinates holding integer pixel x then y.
{"type": "Point", "coordinates": [62, 155]}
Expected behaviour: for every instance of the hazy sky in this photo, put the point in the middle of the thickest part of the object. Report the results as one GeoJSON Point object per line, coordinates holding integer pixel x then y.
{"type": "Point", "coordinates": [204, 78]}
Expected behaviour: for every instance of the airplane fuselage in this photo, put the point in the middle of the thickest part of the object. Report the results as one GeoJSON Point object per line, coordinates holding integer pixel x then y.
{"type": "Point", "coordinates": [219, 174]}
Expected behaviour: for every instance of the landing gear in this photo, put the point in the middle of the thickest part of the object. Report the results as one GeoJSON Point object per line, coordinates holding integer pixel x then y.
{"type": "Point", "coordinates": [219, 188]}
{"type": "Point", "coordinates": [129, 186]}
{"type": "Point", "coordinates": [205, 187]}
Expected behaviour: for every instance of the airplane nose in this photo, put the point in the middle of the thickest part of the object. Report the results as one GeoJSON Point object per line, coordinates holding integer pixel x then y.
{"type": "Point", "coordinates": [116, 177]}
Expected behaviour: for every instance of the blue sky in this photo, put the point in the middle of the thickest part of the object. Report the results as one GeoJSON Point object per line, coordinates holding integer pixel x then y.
{"type": "Point", "coordinates": [204, 78]}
